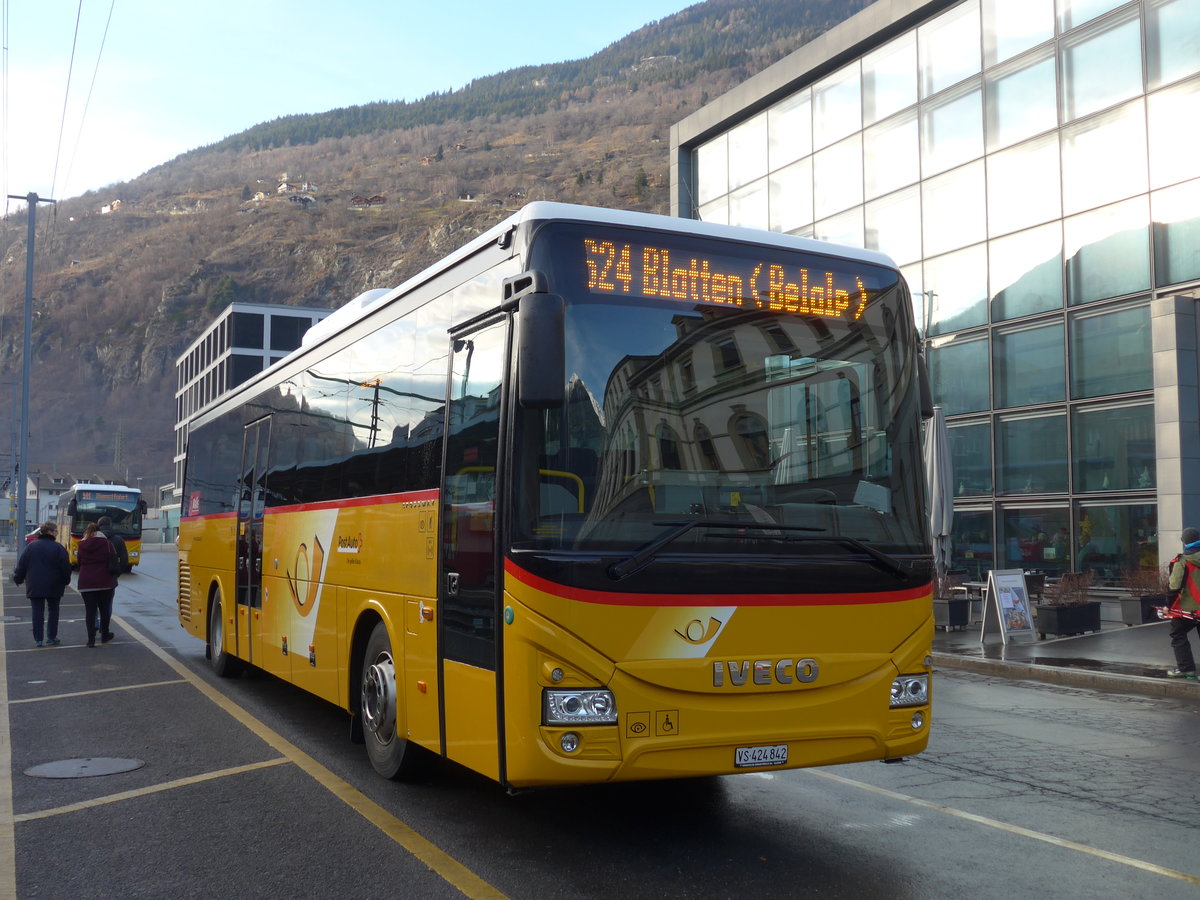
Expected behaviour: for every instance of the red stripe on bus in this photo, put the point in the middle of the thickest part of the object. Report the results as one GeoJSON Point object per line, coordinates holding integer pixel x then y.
{"type": "Point", "coordinates": [377, 500]}
{"type": "Point", "coordinates": [618, 598]}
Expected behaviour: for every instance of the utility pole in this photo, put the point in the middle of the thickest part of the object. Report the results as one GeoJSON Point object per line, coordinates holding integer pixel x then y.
{"type": "Point", "coordinates": [31, 202]}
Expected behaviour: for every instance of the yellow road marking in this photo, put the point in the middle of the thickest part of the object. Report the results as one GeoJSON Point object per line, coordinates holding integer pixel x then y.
{"type": "Point", "coordinates": [152, 789]}
{"type": "Point", "coordinates": [1130, 861]}
{"type": "Point", "coordinates": [124, 687]}
{"type": "Point", "coordinates": [440, 862]}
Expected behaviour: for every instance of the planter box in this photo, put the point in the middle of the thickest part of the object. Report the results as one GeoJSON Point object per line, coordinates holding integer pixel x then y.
{"type": "Point", "coordinates": [1067, 620]}
{"type": "Point", "coordinates": [1140, 610]}
{"type": "Point", "coordinates": [954, 612]}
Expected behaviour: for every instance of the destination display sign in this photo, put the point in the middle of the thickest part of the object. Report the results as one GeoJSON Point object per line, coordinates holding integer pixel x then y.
{"type": "Point", "coordinates": [805, 285]}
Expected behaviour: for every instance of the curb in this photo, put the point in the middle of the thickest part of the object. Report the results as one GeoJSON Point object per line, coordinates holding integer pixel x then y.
{"type": "Point", "coordinates": [1188, 691]}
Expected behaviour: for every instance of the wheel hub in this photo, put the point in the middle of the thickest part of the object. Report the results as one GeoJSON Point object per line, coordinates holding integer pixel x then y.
{"type": "Point", "coordinates": [379, 698]}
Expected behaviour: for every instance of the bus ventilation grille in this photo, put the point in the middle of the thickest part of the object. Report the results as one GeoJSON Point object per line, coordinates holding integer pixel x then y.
{"type": "Point", "coordinates": [185, 592]}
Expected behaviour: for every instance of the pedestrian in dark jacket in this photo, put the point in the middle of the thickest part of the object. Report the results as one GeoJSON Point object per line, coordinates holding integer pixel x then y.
{"type": "Point", "coordinates": [45, 570]}
{"type": "Point", "coordinates": [104, 523]}
{"type": "Point", "coordinates": [96, 582]}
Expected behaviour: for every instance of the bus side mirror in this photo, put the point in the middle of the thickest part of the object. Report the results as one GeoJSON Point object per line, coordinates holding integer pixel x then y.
{"type": "Point", "coordinates": [541, 358]}
{"type": "Point", "coordinates": [71, 508]}
{"type": "Point", "coordinates": [142, 507]}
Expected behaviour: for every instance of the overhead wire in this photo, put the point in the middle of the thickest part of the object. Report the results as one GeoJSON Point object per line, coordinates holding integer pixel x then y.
{"type": "Point", "coordinates": [66, 96]}
{"type": "Point", "coordinates": [91, 87]}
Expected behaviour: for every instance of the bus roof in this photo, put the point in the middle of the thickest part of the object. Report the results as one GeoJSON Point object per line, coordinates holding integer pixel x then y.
{"type": "Point", "coordinates": [542, 210]}
{"type": "Point", "coordinates": [88, 486]}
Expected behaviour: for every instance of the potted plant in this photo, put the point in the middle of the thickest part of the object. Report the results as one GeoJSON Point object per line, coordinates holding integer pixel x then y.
{"type": "Point", "coordinates": [1147, 587]}
{"type": "Point", "coordinates": [951, 608]}
{"type": "Point", "coordinates": [1067, 609]}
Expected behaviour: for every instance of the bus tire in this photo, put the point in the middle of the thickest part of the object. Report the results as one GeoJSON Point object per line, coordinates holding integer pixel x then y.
{"type": "Point", "coordinates": [224, 664]}
{"type": "Point", "coordinates": [390, 755]}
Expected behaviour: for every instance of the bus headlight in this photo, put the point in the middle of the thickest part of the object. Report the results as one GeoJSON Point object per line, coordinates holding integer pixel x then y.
{"type": "Point", "coordinates": [579, 707]}
{"type": "Point", "coordinates": [910, 690]}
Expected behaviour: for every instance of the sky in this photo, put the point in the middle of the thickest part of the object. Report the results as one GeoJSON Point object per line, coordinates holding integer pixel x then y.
{"type": "Point", "coordinates": [100, 91]}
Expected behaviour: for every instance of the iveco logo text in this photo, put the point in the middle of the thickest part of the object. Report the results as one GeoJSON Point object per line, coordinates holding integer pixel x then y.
{"type": "Point", "coordinates": [765, 671]}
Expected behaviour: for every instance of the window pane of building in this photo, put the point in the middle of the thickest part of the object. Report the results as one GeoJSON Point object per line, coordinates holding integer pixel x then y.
{"type": "Point", "coordinates": [952, 209]}
{"type": "Point", "coordinates": [1116, 538]}
{"type": "Point", "coordinates": [791, 196]}
{"type": "Point", "coordinates": [1102, 66]}
{"type": "Point", "coordinates": [748, 151]}
{"type": "Point", "coordinates": [971, 456]}
{"type": "Point", "coordinates": [952, 130]}
{"type": "Point", "coordinates": [1026, 271]}
{"type": "Point", "coordinates": [712, 170]}
{"type": "Point", "coordinates": [1108, 252]}
{"type": "Point", "coordinates": [1104, 158]}
{"type": "Point", "coordinates": [1176, 233]}
{"type": "Point", "coordinates": [1173, 119]}
{"type": "Point", "coordinates": [748, 205]}
{"type": "Point", "coordinates": [837, 106]}
{"type": "Point", "coordinates": [956, 290]}
{"type": "Point", "coordinates": [1028, 365]}
{"type": "Point", "coordinates": [1113, 448]}
{"type": "Point", "coordinates": [1031, 454]}
{"type": "Point", "coordinates": [891, 155]}
{"type": "Point", "coordinates": [1172, 40]}
{"type": "Point", "coordinates": [1021, 102]}
{"type": "Point", "coordinates": [716, 212]}
{"type": "Point", "coordinates": [789, 130]}
{"type": "Point", "coordinates": [1073, 13]}
{"type": "Point", "coordinates": [248, 330]}
{"type": "Point", "coordinates": [1036, 537]}
{"type": "Point", "coordinates": [889, 78]}
{"type": "Point", "coordinates": [1111, 352]}
{"type": "Point", "coordinates": [949, 48]}
{"type": "Point", "coordinates": [1013, 26]}
{"type": "Point", "coordinates": [838, 177]}
{"type": "Point", "coordinates": [958, 373]}
{"type": "Point", "coordinates": [287, 331]}
{"type": "Point", "coordinates": [971, 543]}
{"type": "Point", "coordinates": [844, 228]}
{"type": "Point", "coordinates": [1023, 185]}
{"type": "Point", "coordinates": [891, 225]}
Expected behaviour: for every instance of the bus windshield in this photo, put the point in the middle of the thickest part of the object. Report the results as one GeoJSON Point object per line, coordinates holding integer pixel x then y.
{"type": "Point", "coordinates": [122, 507]}
{"type": "Point", "coordinates": [698, 424]}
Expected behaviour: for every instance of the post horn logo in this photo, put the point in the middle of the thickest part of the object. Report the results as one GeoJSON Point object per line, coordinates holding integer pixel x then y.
{"type": "Point", "coordinates": [696, 632]}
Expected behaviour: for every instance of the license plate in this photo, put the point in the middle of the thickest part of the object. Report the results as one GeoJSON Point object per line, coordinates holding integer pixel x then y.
{"type": "Point", "coordinates": [744, 757]}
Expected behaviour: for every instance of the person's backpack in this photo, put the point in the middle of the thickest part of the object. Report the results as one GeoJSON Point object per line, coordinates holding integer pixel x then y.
{"type": "Point", "coordinates": [114, 561]}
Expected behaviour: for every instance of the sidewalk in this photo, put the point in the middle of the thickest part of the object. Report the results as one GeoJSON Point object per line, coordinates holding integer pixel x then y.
{"type": "Point", "coordinates": [1128, 659]}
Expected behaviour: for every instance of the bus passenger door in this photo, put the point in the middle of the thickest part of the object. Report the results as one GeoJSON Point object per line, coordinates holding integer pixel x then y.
{"type": "Point", "coordinates": [469, 577]}
{"type": "Point", "coordinates": [249, 536]}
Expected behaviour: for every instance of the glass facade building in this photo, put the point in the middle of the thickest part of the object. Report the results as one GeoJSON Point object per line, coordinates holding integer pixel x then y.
{"type": "Point", "coordinates": [239, 343]}
{"type": "Point", "coordinates": [1033, 166]}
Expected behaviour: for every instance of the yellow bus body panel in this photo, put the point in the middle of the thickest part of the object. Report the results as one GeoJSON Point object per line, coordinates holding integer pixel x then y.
{"type": "Point", "coordinates": [472, 738]}
{"type": "Point", "coordinates": [673, 720]}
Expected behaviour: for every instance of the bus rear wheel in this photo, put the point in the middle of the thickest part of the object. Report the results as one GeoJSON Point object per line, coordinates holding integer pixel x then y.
{"type": "Point", "coordinates": [390, 755]}
{"type": "Point", "coordinates": [224, 664]}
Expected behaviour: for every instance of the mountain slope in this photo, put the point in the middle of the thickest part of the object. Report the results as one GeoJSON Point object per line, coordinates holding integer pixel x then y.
{"type": "Point", "coordinates": [120, 295]}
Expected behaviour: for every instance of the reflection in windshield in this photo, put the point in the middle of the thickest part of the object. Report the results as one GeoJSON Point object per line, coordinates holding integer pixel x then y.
{"type": "Point", "coordinates": [679, 412]}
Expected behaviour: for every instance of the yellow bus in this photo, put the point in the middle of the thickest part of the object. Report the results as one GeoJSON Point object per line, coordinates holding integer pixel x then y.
{"type": "Point", "coordinates": [602, 496]}
{"type": "Point", "coordinates": [86, 503]}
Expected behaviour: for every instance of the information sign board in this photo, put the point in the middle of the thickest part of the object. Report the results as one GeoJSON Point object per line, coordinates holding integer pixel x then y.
{"type": "Point", "coordinates": [1006, 606]}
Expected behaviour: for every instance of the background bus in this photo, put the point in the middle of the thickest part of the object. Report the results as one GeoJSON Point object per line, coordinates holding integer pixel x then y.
{"type": "Point", "coordinates": [603, 496]}
{"type": "Point", "coordinates": [86, 503]}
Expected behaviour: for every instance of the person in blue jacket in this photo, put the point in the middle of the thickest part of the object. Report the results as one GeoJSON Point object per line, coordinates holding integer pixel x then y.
{"type": "Point", "coordinates": [45, 570]}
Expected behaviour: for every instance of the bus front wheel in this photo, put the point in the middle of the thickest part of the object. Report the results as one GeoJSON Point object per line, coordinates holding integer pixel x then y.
{"type": "Point", "coordinates": [390, 755]}
{"type": "Point", "coordinates": [224, 664]}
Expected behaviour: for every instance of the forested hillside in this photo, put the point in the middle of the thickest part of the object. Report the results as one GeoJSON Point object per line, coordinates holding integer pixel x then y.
{"type": "Point", "coordinates": [276, 214]}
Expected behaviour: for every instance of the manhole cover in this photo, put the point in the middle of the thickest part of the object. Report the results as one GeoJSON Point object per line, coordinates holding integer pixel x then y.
{"type": "Point", "coordinates": [84, 768]}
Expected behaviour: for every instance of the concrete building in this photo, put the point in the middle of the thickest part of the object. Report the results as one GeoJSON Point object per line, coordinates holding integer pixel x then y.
{"type": "Point", "coordinates": [1032, 167]}
{"type": "Point", "coordinates": [240, 342]}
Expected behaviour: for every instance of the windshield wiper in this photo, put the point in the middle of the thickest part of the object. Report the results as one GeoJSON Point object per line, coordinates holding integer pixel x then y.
{"type": "Point", "coordinates": [639, 560]}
